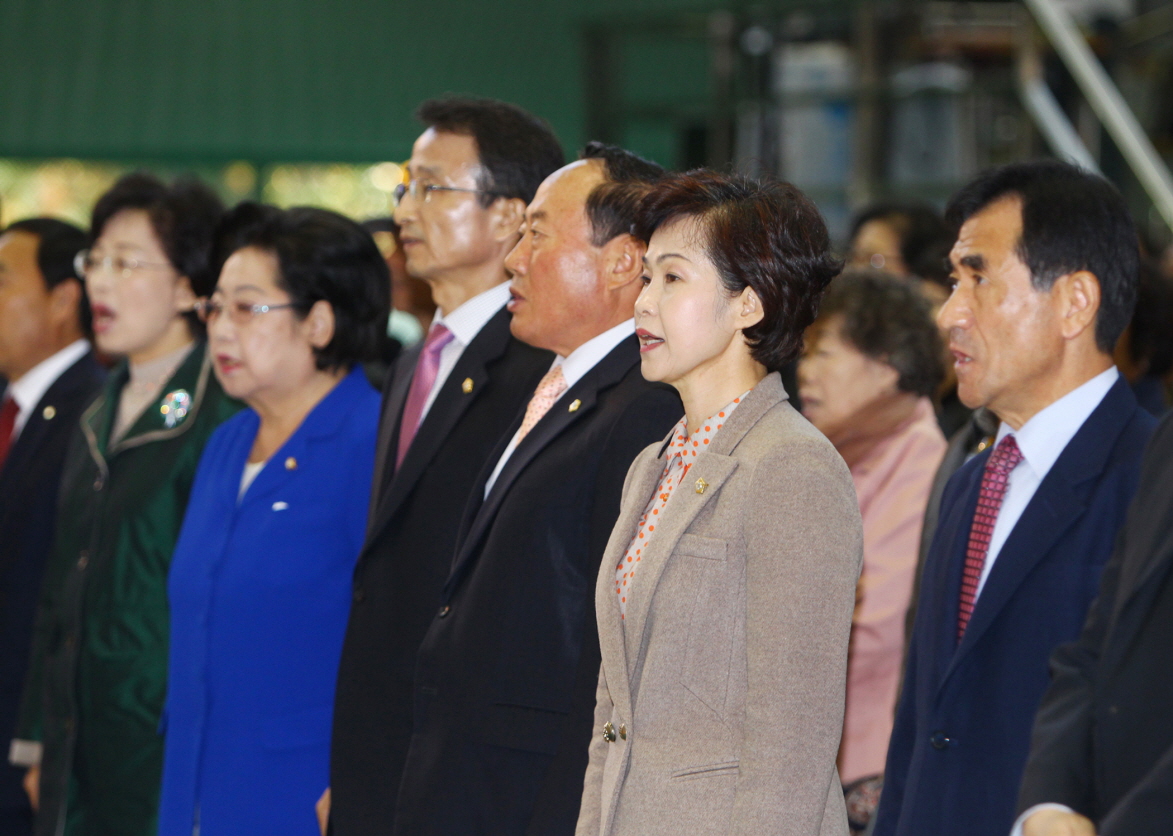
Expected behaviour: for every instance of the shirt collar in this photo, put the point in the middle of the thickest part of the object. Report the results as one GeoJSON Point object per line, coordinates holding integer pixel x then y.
{"type": "Point", "coordinates": [32, 385]}
{"type": "Point", "coordinates": [1043, 438]}
{"type": "Point", "coordinates": [467, 321]}
{"type": "Point", "coordinates": [587, 356]}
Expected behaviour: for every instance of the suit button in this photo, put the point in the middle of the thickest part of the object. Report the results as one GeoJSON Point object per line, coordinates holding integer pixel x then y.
{"type": "Point", "coordinates": [623, 731]}
{"type": "Point", "coordinates": [939, 740]}
{"type": "Point", "coordinates": [99, 483]}
{"type": "Point", "coordinates": [444, 610]}
{"type": "Point", "coordinates": [609, 732]}
{"type": "Point", "coordinates": [83, 560]}
{"type": "Point", "coordinates": [1113, 709]}
{"type": "Point", "coordinates": [359, 595]}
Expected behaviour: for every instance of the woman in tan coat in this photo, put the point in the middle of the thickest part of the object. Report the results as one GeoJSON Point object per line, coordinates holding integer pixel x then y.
{"type": "Point", "coordinates": [726, 593]}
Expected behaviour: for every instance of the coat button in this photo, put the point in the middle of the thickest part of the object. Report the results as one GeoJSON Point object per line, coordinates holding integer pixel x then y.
{"type": "Point", "coordinates": [939, 740]}
{"type": "Point", "coordinates": [444, 610]}
{"type": "Point", "coordinates": [609, 732]}
{"type": "Point", "coordinates": [84, 559]}
{"type": "Point", "coordinates": [99, 483]}
{"type": "Point", "coordinates": [623, 731]}
{"type": "Point", "coordinates": [359, 595]}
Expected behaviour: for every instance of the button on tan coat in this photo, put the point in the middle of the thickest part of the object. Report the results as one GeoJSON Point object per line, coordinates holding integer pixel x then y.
{"type": "Point", "coordinates": [728, 673]}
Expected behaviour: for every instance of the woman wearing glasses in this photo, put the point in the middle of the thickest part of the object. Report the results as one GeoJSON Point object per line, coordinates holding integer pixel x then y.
{"type": "Point", "coordinates": [90, 720]}
{"type": "Point", "coordinates": [725, 595]}
{"type": "Point", "coordinates": [260, 586]}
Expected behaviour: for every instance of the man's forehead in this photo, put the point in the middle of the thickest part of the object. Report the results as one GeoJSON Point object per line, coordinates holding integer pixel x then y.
{"type": "Point", "coordinates": [439, 153]}
{"type": "Point", "coordinates": [567, 188]}
{"type": "Point", "coordinates": [994, 230]}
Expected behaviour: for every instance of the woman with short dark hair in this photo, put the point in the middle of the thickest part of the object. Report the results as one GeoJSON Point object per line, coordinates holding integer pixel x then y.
{"type": "Point", "coordinates": [872, 362]}
{"type": "Point", "coordinates": [90, 720]}
{"type": "Point", "coordinates": [260, 583]}
{"type": "Point", "coordinates": [724, 599]}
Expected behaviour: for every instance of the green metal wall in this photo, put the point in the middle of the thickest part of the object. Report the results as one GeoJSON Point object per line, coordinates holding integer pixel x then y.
{"type": "Point", "coordinates": [297, 80]}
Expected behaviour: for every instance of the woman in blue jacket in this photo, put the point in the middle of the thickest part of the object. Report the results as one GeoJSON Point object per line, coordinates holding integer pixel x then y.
{"type": "Point", "coordinates": [260, 582]}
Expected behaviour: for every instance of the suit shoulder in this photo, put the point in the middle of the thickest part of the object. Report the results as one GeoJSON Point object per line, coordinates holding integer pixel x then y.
{"type": "Point", "coordinates": [784, 445]}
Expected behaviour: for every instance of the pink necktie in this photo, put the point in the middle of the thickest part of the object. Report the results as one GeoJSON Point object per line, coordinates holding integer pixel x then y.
{"type": "Point", "coordinates": [8, 412]}
{"type": "Point", "coordinates": [549, 390]}
{"type": "Point", "coordinates": [1004, 459]}
{"type": "Point", "coordinates": [426, 369]}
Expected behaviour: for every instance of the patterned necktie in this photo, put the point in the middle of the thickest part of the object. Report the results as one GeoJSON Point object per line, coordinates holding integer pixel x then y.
{"type": "Point", "coordinates": [549, 390]}
{"type": "Point", "coordinates": [1004, 459]}
{"type": "Point", "coordinates": [8, 413]}
{"type": "Point", "coordinates": [426, 369]}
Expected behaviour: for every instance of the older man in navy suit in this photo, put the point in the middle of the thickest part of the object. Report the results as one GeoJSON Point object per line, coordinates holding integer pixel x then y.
{"type": "Point", "coordinates": [1045, 281]}
{"type": "Point", "coordinates": [52, 375]}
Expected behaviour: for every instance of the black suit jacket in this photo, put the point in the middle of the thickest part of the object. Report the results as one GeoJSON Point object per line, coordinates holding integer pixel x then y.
{"type": "Point", "coordinates": [411, 535]}
{"type": "Point", "coordinates": [28, 510]}
{"type": "Point", "coordinates": [505, 687]}
{"type": "Point", "coordinates": [1103, 738]}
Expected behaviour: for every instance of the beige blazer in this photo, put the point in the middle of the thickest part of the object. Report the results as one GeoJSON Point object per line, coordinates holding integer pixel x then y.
{"type": "Point", "coordinates": [723, 689]}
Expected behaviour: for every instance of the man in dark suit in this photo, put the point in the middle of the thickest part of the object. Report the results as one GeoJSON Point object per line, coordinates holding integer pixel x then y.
{"type": "Point", "coordinates": [1045, 280]}
{"type": "Point", "coordinates": [446, 404]}
{"type": "Point", "coordinates": [52, 375]}
{"type": "Point", "coordinates": [505, 688]}
{"type": "Point", "coordinates": [1101, 757]}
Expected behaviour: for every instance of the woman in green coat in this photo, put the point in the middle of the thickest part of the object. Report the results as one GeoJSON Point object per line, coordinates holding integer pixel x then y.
{"type": "Point", "coordinates": [90, 727]}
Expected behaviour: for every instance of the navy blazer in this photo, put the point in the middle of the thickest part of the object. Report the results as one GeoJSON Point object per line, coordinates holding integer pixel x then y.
{"type": "Point", "coordinates": [963, 725]}
{"type": "Point", "coordinates": [259, 592]}
{"type": "Point", "coordinates": [29, 482]}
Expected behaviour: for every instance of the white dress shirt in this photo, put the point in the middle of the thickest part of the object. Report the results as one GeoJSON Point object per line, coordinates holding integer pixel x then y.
{"type": "Point", "coordinates": [581, 360]}
{"type": "Point", "coordinates": [28, 390]}
{"type": "Point", "coordinates": [465, 323]}
{"type": "Point", "coordinates": [1041, 439]}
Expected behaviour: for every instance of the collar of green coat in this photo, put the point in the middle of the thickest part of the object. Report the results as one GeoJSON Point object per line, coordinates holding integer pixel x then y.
{"type": "Point", "coordinates": [159, 421]}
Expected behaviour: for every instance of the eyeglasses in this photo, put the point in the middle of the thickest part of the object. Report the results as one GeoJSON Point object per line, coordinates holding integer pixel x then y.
{"type": "Point", "coordinates": [240, 313]}
{"type": "Point", "coordinates": [86, 264]}
{"type": "Point", "coordinates": [415, 187]}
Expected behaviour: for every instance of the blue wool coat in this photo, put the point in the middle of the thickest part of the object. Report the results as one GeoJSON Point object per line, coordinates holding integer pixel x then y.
{"type": "Point", "coordinates": [259, 593]}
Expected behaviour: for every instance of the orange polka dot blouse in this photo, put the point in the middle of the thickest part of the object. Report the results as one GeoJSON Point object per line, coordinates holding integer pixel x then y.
{"type": "Point", "coordinates": [681, 453]}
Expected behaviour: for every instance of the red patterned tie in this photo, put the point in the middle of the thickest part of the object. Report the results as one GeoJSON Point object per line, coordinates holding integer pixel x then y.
{"type": "Point", "coordinates": [1004, 459]}
{"type": "Point", "coordinates": [8, 413]}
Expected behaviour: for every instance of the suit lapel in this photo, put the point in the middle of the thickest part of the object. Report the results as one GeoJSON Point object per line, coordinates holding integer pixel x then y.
{"type": "Point", "coordinates": [1061, 499]}
{"type": "Point", "coordinates": [388, 443]}
{"type": "Point", "coordinates": [452, 401]}
{"type": "Point", "coordinates": [605, 374]}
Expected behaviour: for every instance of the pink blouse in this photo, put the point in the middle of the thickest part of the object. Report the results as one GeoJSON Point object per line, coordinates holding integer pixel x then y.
{"type": "Point", "coordinates": [892, 482]}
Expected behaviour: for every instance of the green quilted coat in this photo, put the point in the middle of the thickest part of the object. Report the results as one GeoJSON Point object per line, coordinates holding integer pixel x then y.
{"type": "Point", "coordinates": [99, 668]}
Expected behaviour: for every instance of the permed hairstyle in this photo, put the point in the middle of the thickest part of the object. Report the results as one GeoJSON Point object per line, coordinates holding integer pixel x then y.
{"type": "Point", "coordinates": [613, 205]}
{"type": "Point", "coordinates": [321, 255]}
{"type": "Point", "coordinates": [1071, 220]}
{"type": "Point", "coordinates": [891, 321]}
{"type": "Point", "coordinates": [763, 234]}
{"type": "Point", "coordinates": [517, 150]}
{"type": "Point", "coordinates": [183, 217]}
{"type": "Point", "coordinates": [58, 243]}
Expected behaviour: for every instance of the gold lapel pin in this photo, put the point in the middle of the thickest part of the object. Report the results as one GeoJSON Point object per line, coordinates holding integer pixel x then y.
{"type": "Point", "coordinates": [574, 405]}
{"type": "Point", "coordinates": [466, 387]}
{"type": "Point", "coordinates": [701, 484]}
{"type": "Point", "coordinates": [291, 463]}
{"type": "Point", "coordinates": [49, 413]}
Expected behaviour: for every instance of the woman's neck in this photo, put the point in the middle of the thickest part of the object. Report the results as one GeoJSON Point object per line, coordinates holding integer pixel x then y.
{"type": "Point", "coordinates": [872, 424]}
{"type": "Point", "coordinates": [282, 412]}
{"type": "Point", "coordinates": [705, 390]}
{"type": "Point", "coordinates": [176, 336]}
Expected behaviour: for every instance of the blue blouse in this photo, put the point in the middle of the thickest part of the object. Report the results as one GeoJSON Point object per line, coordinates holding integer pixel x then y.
{"type": "Point", "coordinates": [260, 590]}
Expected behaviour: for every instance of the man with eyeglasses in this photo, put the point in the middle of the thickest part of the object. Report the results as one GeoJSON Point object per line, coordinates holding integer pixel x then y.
{"type": "Point", "coordinates": [52, 374]}
{"type": "Point", "coordinates": [446, 405]}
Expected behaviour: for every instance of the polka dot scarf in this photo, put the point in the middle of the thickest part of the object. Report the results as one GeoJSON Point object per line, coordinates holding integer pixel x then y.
{"type": "Point", "coordinates": [681, 453]}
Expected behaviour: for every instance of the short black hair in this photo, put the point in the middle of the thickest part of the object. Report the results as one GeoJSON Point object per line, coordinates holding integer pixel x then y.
{"type": "Point", "coordinates": [183, 215]}
{"type": "Point", "coordinates": [925, 236]}
{"type": "Point", "coordinates": [321, 255]}
{"type": "Point", "coordinates": [58, 244]}
{"type": "Point", "coordinates": [1071, 220]}
{"type": "Point", "coordinates": [613, 205]}
{"type": "Point", "coordinates": [759, 233]}
{"type": "Point", "coordinates": [890, 321]}
{"type": "Point", "coordinates": [517, 150]}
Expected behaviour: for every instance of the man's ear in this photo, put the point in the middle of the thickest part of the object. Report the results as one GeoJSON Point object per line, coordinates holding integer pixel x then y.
{"type": "Point", "coordinates": [623, 261]}
{"type": "Point", "coordinates": [320, 323]}
{"type": "Point", "coordinates": [748, 308]}
{"type": "Point", "coordinates": [65, 301]}
{"type": "Point", "coordinates": [1078, 297]}
{"type": "Point", "coordinates": [506, 216]}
